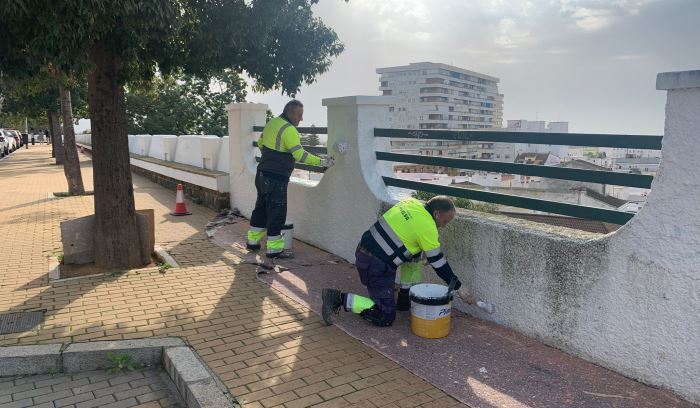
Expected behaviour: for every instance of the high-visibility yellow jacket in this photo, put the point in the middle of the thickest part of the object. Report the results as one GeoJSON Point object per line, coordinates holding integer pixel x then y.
{"type": "Point", "coordinates": [403, 232]}
{"type": "Point", "coordinates": [281, 146]}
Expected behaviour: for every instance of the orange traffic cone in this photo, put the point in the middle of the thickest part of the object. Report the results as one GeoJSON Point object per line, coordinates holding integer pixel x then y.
{"type": "Point", "coordinates": [180, 207]}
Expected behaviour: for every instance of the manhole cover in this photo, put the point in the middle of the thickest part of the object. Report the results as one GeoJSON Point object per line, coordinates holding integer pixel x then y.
{"type": "Point", "coordinates": [20, 322]}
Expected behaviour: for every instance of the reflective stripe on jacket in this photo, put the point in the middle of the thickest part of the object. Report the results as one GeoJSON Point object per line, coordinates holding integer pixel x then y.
{"type": "Point", "coordinates": [403, 232]}
{"type": "Point", "coordinates": [280, 145]}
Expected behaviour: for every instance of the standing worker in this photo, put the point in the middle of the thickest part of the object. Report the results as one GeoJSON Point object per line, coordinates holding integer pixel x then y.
{"type": "Point", "coordinates": [401, 234]}
{"type": "Point", "coordinates": [280, 146]}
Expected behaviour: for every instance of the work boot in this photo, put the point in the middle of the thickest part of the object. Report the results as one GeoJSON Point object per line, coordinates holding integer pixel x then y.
{"type": "Point", "coordinates": [280, 255]}
{"type": "Point", "coordinates": [332, 301]}
{"type": "Point", "coordinates": [403, 300]}
{"type": "Point", "coordinates": [252, 247]}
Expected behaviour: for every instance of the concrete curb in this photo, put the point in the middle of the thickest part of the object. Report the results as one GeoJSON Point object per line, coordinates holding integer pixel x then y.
{"type": "Point", "coordinates": [93, 355]}
{"type": "Point", "coordinates": [196, 383]}
{"type": "Point", "coordinates": [163, 256]}
{"type": "Point", "coordinates": [23, 360]}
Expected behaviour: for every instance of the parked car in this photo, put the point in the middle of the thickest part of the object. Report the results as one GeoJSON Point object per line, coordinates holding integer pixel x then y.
{"type": "Point", "coordinates": [3, 146]}
{"type": "Point", "coordinates": [18, 136]}
{"type": "Point", "coordinates": [12, 143]}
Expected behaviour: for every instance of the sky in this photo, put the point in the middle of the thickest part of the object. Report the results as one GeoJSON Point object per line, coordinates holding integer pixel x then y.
{"type": "Point", "coordinates": [592, 63]}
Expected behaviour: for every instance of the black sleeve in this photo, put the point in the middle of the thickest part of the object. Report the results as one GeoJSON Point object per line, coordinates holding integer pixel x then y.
{"type": "Point", "coordinates": [445, 273]}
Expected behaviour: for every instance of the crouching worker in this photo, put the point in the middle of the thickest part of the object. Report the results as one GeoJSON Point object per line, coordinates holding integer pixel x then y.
{"type": "Point", "coordinates": [400, 235]}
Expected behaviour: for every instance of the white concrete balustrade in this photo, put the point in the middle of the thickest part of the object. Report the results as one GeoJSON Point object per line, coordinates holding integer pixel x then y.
{"type": "Point", "coordinates": [163, 147]}
{"type": "Point", "coordinates": [198, 151]}
{"type": "Point", "coordinates": [628, 301]}
{"type": "Point", "coordinates": [203, 152]}
{"type": "Point", "coordinates": [142, 144]}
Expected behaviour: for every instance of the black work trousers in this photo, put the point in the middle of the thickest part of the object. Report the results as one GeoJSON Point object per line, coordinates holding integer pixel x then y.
{"type": "Point", "coordinates": [271, 205]}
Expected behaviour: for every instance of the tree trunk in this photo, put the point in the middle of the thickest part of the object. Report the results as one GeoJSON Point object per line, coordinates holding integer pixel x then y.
{"type": "Point", "coordinates": [71, 167]}
{"type": "Point", "coordinates": [55, 130]}
{"type": "Point", "coordinates": [117, 242]}
{"type": "Point", "coordinates": [53, 146]}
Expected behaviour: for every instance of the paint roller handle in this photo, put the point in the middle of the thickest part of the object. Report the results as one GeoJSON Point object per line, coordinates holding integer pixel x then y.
{"type": "Point", "coordinates": [451, 286]}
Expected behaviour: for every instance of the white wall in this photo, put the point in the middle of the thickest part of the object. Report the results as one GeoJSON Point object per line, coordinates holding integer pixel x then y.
{"type": "Point", "coordinates": [163, 147]}
{"type": "Point", "coordinates": [628, 300]}
{"type": "Point", "coordinates": [192, 150]}
{"type": "Point", "coordinates": [317, 211]}
{"type": "Point", "coordinates": [198, 151]}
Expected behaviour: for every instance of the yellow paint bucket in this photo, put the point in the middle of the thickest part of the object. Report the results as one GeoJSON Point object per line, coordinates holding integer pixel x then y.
{"type": "Point", "coordinates": [430, 310]}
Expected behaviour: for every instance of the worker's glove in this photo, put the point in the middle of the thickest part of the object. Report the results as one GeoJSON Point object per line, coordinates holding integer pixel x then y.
{"type": "Point", "coordinates": [464, 294]}
{"type": "Point", "coordinates": [327, 161]}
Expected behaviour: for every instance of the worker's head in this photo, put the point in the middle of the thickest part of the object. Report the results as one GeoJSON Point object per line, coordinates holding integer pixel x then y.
{"type": "Point", "coordinates": [442, 209]}
{"type": "Point", "coordinates": [294, 111]}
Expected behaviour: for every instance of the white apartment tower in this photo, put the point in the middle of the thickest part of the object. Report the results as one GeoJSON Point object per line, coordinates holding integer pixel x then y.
{"type": "Point", "coordinates": [440, 96]}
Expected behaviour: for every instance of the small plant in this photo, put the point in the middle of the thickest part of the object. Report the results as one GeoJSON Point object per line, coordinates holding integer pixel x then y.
{"type": "Point", "coordinates": [53, 372]}
{"type": "Point", "coordinates": [60, 258]}
{"type": "Point", "coordinates": [163, 267]}
{"type": "Point", "coordinates": [120, 362]}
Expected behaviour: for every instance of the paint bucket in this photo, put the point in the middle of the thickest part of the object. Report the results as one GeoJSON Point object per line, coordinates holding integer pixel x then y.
{"type": "Point", "coordinates": [288, 235]}
{"type": "Point", "coordinates": [430, 310]}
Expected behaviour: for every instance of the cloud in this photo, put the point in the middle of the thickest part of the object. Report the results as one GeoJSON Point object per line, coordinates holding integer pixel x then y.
{"type": "Point", "coordinates": [595, 15]}
{"type": "Point", "coordinates": [510, 36]}
{"type": "Point", "coordinates": [593, 19]}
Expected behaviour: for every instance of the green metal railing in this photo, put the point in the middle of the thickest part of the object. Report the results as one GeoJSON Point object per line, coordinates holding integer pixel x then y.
{"type": "Point", "coordinates": [571, 139]}
{"type": "Point", "coordinates": [310, 149]}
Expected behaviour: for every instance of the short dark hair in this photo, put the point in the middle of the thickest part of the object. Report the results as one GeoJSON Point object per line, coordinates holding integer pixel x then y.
{"type": "Point", "coordinates": [291, 105]}
{"type": "Point", "coordinates": [440, 203]}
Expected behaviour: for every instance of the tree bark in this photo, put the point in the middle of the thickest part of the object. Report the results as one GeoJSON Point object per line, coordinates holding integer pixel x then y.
{"type": "Point", "coordinates": [71, 167]}
{"type": "Point", "coordinates": [55, 131]}
{"type": "Point", "coordinates": [53, 146]}
{"type": "Point", "coordinates": [117, 242]}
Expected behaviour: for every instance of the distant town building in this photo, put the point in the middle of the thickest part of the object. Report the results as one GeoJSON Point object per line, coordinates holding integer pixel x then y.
{"type": "Point", "coordinates": [639, 165]}
{"type": "Point", "coordinates": [539, 126]}
{"type": "Point", "coordinates": [542, 159]}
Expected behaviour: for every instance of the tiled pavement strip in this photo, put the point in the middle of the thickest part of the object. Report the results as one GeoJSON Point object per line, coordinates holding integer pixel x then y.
{"type": "Point", "coordinates": [148, 388]}
{"type": "Point", "coordinates": [269, 350]}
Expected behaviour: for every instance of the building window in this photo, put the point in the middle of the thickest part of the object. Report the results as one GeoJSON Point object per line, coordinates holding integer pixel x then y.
{"type": "Point", "coordinates": [391, 108]}
{"type": "Point", "coordinates": [386, 92]}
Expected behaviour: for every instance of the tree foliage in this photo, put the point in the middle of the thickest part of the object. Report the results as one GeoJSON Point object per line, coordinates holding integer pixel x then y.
{"type": "Point", "coordinates": [277, 42]}
{"type": "Point", "coordinates": [183, 105]}
{"type": "Point", "coordinates": [115, 43]}
{"type": "Point", "coordinates": [33, 97]}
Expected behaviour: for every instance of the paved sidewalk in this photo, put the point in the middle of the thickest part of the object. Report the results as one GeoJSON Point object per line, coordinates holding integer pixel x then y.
{"type": "Point", "coordinates": [138, 389]}
{"type": "Point", "coordinates": [268, 349]}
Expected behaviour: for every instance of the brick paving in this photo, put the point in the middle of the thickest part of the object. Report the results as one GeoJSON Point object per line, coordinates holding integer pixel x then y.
{"type": "Point", "coordinates": [147, 388]}
{"type": "Point", "coordinates": [269, 350]}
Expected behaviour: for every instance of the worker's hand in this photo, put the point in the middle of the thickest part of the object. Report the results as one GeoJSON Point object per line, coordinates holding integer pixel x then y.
{"type": "Point", "coordinates": [464, 294]}
{"type": "Point", "coordinates": [327, 161]}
